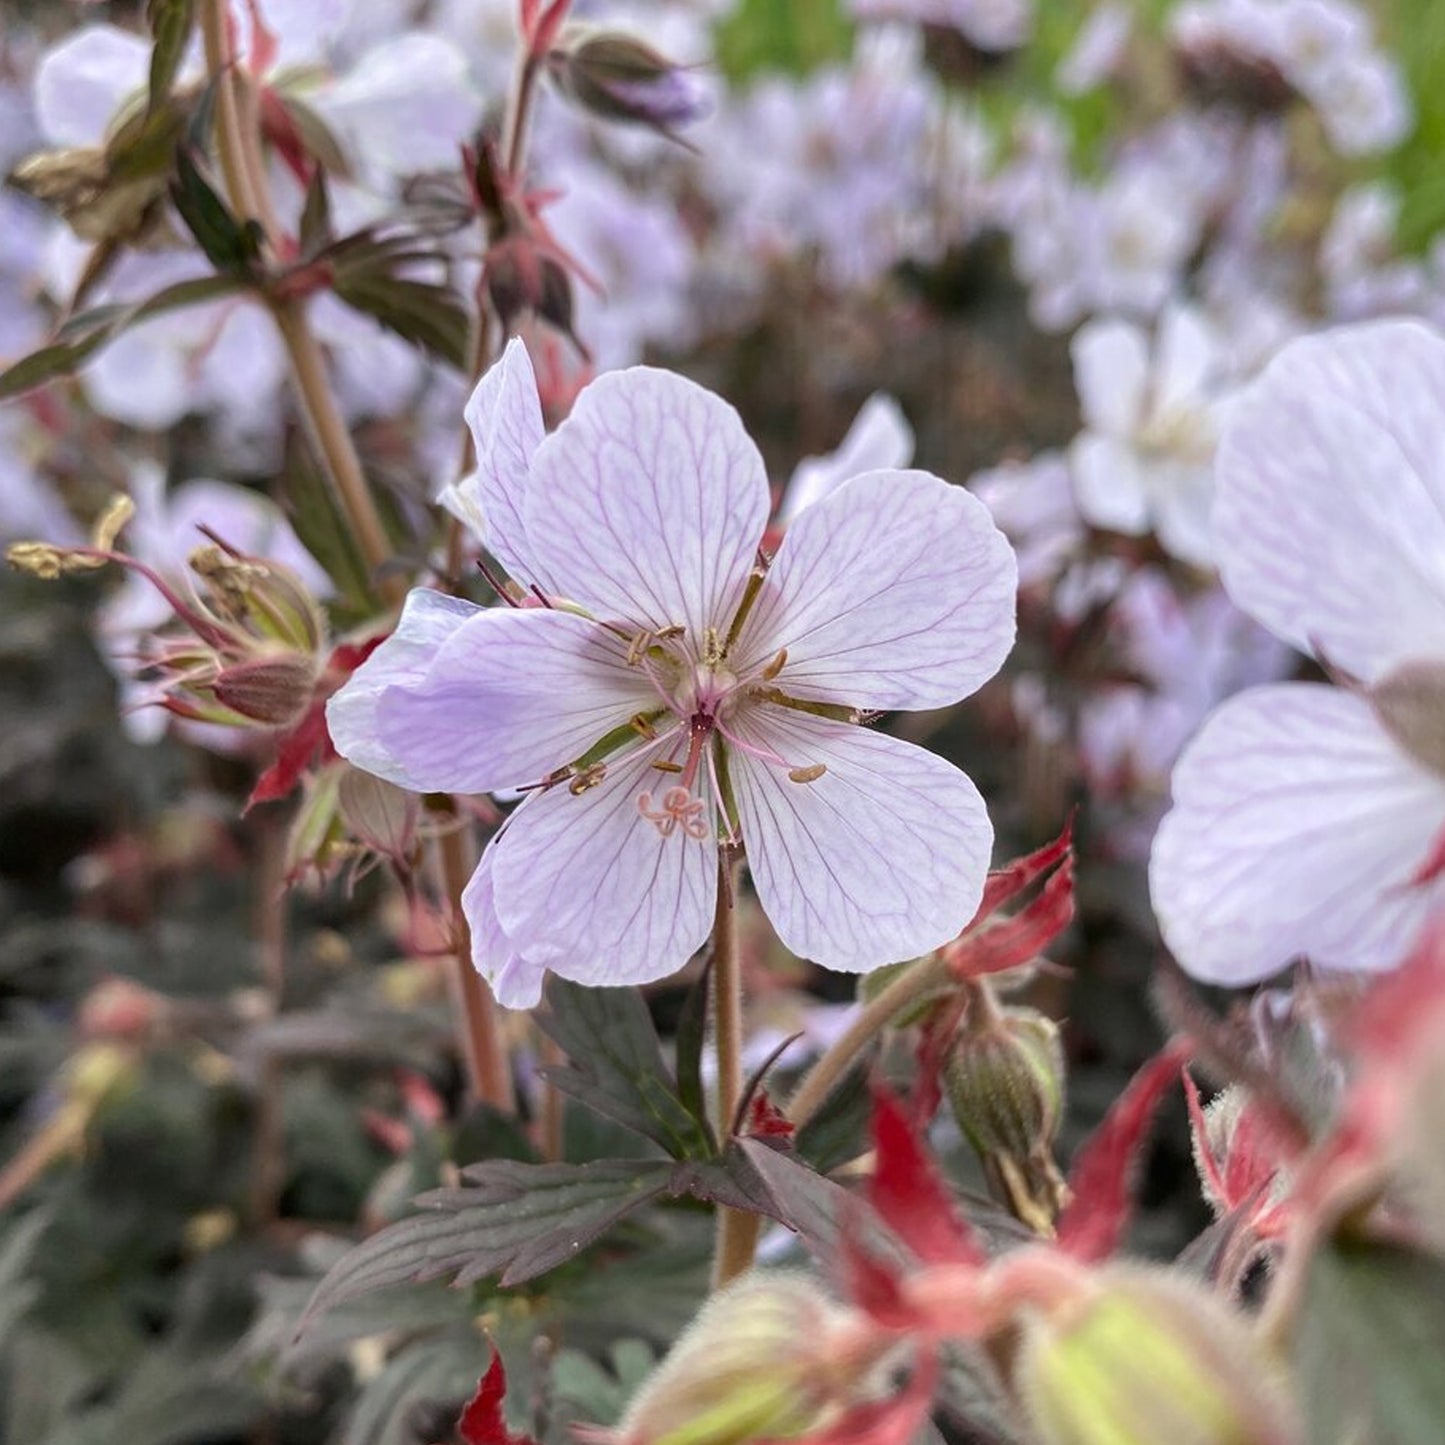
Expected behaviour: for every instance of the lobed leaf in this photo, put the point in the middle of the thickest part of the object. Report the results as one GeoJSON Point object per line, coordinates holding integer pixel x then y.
{"type": "Point", "coordinates": [616, 1068]}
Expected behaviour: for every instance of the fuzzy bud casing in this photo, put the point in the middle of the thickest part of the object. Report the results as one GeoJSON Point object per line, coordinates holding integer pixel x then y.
{"type": "Point", "coordinates": [1149, 1359]}
{"type": "Point", "coordinates": [620, 78]}
{"type": "Point", "coordinates": [753, 1366]}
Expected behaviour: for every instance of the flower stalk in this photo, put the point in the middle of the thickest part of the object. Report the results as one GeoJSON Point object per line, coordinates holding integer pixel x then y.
{"type": "Point", "coordinates": [736, 1230]}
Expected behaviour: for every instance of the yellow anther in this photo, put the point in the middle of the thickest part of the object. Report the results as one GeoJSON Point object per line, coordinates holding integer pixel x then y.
{"type": "Point", "coordinates": [775, 666]}
{"type": "Point", "coordinates": [807, 775]}
{"type": "Point", "coordinates": [642, 725]}
{"type": "Point", "coordinates": [664, 766]}
{"type": "Point", "coordinates": [586, 779]}
{"type": "Point", "coordinates": [118, 511]}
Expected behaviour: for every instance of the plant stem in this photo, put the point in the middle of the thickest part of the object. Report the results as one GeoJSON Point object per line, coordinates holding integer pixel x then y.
{"type": "Point", "coordinates": [489, 1072]}
{"type": "Point", "coordinates": [243, 169]}
{"type": "Point", "coordinates": [820, 1081]}
{"type": "Point", "coordinates": [268, 1174]}
{"type": "Point", "coordinates": [737, 1231]}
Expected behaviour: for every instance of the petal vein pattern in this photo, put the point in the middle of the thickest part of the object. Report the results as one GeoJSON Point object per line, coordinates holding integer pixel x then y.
{"type": "Point", "coordinates": [649, 501]}
{"type": "Point", "coordinates": [510, 697]}
{"type": "Point", "coordinates": [881, 858]}
{"type": "Point", "coordinates": [595, 891]}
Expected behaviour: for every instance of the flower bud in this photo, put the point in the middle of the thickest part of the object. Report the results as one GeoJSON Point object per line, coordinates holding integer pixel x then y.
{"type": "Point", "coordinates": [273, 691]}
{"type": "Point", "coordinates": [1146, 1360]}
{"type": "Point", "coordinates": [1410, 702]}
{"type": "Point", "coordinates": [1005, 1082]}
{"type": "Point", "coordinates": [620, 78]}
{"type": "Point", "coordinates": [754, 1366]}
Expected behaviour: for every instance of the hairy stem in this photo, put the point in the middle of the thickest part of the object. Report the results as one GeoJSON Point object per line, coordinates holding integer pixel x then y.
{"type": "Point", "coordinates": [737, 1231]}
{"type": "Point", "coordinates": [825, 1076]}
{"type": "Point", "coordinates": [489, 1072]}
{"type": "Point", "coordinates": [243, 168]}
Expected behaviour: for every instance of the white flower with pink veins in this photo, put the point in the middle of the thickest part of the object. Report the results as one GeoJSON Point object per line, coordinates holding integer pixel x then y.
{"type": "Point", "coordinates": [1309, 819]}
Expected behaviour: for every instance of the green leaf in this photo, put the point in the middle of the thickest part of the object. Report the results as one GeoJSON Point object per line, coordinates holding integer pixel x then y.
{"type": "Point", "coordinates": [82, 336]}
{"type": "Point", "coordinates": [762, 35]}
{"type": "Point", "coordinates": [230, 245]}
{"type": "Point", "coordinates": [432, 1372]}
{"type": "Point", "coordinates": [428, 314]}
{"type": "Point", "coordinates": [838, 1132]}
{"type": "Point", "coordinates": [170, 22]}
{"type": "Point", "coordinates": [615, 1065]}
{"type": "Point", "coordinates": [1369, 1345]}
{"type": "Point", "coordinates": [514, 1220]}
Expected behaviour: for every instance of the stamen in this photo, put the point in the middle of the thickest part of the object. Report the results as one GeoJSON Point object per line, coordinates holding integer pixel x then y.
{"type": "Point", "coordinates": [807, 775]}
{"type": "Point", "coordinates": [637, 649]}
{"type": "Point", "coordinates": [665, 765]}
{"type": "Point", "coordinates": [775, 666]}
{"type": "Point", "coordinates": [641, 724]}
{"type": "Point", "coordinates": [586, 779]}
{"type": "Point", "coordinates": [679, 809]}
{"type": "Point", "coordinates": [712, 648]}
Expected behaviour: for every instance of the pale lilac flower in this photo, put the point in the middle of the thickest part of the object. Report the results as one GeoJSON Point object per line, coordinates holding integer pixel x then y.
{"type": "Point", "coordinates": [669, 696]}
{"type": "Point", "coordinates": [1308, 819]}
{"type": "Point", "coordinates": [994, 25]}
{"type": "Point", "coordinates": [880, 439]}
{"type": "Point", "coordinates": [1033, 503]}
{"type": "Point", "coordinates": [1151, 413]}
{"type": "Point", "coordinates": [1098, 49]}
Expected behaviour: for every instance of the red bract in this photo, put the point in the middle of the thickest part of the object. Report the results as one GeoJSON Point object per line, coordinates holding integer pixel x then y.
{"type": "Point", "coordinates": [482, 1422]}
{"type": "Point", "coordinates": [910, 1195]}
{"type": "Point", "coordinates": [1245, 1177]}
{"type": "Point", "coordinates": [1093, 1222]}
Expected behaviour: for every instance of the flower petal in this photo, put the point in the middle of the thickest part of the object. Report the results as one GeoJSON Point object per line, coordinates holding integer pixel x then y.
{"type": "Point", "coordinates": [82, 82]}
{"type": "Point", "coordinates": [515, 982]}
{"type": "Point", "coordinates": [1111, 373]}
{"type": "Point", "coordinates": [1186, 357]}
{"type": "Point", "coordinates": [508, 698]}
{"type": "Point", "coordinates": [1330, 518]}
{"type": "Point", "coordinates": [1109, 484]}
{"type": "Point", "coordinates": [649, 501]}
{"type": "Point", "coordinates": [897, 591]}
{"type": "Point", "coordinates": [505, 417]}
{"type": "Point", "coordinates": [592, 889]}
{"type": "Point", "coordinates": [880, 859]}
{"type": "Point", "coordinates": [880, 439]}
{"type": "Point", "coordinates": [1296, 827]}
{"type": "Point", "coordinates": [427, 620]}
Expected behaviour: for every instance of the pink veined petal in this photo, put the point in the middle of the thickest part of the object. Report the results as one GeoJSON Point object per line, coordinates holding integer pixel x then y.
{"type": "Point", "coordinates": [1296, 827]}
{"type": "Point", "coordinates": [1109, 484]}
{"type": "Point", "coordinates": [587, 886]}
{"type": "Point", "coordinates": [880, 859]}
{"type": "Point", "coordinates": [1111, 374]}
{"type": "Point", "coordinates": [880, 439]}
{"type": "Point", "coordinates": [505, 417]}
{"type": "Point", "coordinates": [649, 502]}
{"type": "Point", "coordinates": [897, 591]}
{"type": "Point", "coordinates": [515, 982]}
{"type": "Point", "coordinates": [427, 620]}
{"type": "Point", "coordinates": [1330, 515]}
{"type": "Point", "coordinates": [508, 698]}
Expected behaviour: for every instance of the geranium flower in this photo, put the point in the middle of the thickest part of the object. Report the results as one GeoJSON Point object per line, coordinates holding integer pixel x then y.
{"type": "Point", "coordinates": [1309, 819]}
{"type": "Point", "coordinates": [677, 691]}
{"type": "Point", "coordinates": [1151, 412]}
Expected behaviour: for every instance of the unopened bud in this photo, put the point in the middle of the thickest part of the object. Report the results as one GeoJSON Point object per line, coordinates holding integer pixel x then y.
{"type": "Point", "coordinates": [273, 691]}
{"type": "Point", "coordinates": [380, 815]}
{"type": "Point", "coordinates": [1005, 1081]}
{"type": "Point", "coordinates": [316, 829]}
{"type": "Point", "coordinates": [1148, 1359]}
{"type": "Point", "coordinates": [265, 598]}
{"type": "Point", "coordinates": [754, 1366]}
{"type": "Point", "coordinates": [620, 78]}
{"type": "Point", "coordinates": [1410, 702]}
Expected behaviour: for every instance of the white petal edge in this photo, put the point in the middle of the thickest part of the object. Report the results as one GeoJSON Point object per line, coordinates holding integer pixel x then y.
{"type": "Point", "coordinates": [427, 619]}
{"type": "Point", "coordinates": [897, 591]}
{"type": "Point", "coordinates": [514, 982]}
{"type": "Point", "coordinates": [879, 440]}
{"type": "Point", "coordinates": [649, 501]}
{"type": "Point", "coordinates": [880, 859]}
{"type": "Point", "coordinates": [1296, 827]}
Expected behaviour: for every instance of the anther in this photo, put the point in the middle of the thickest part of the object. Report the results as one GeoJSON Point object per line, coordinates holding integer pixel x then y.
{"type": "Point", "coordinates": [587, 779]}
{"type": "Point", "coordinates": [665, 765]}
{"type": "Point", "coordinates": [807, 775]}
{"type": "Point", "coordinates": [638, 647]}
{"type": "Point", "coordinates": [642, 726]}
{"type": "Point", "coordinates": [775, 666]}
